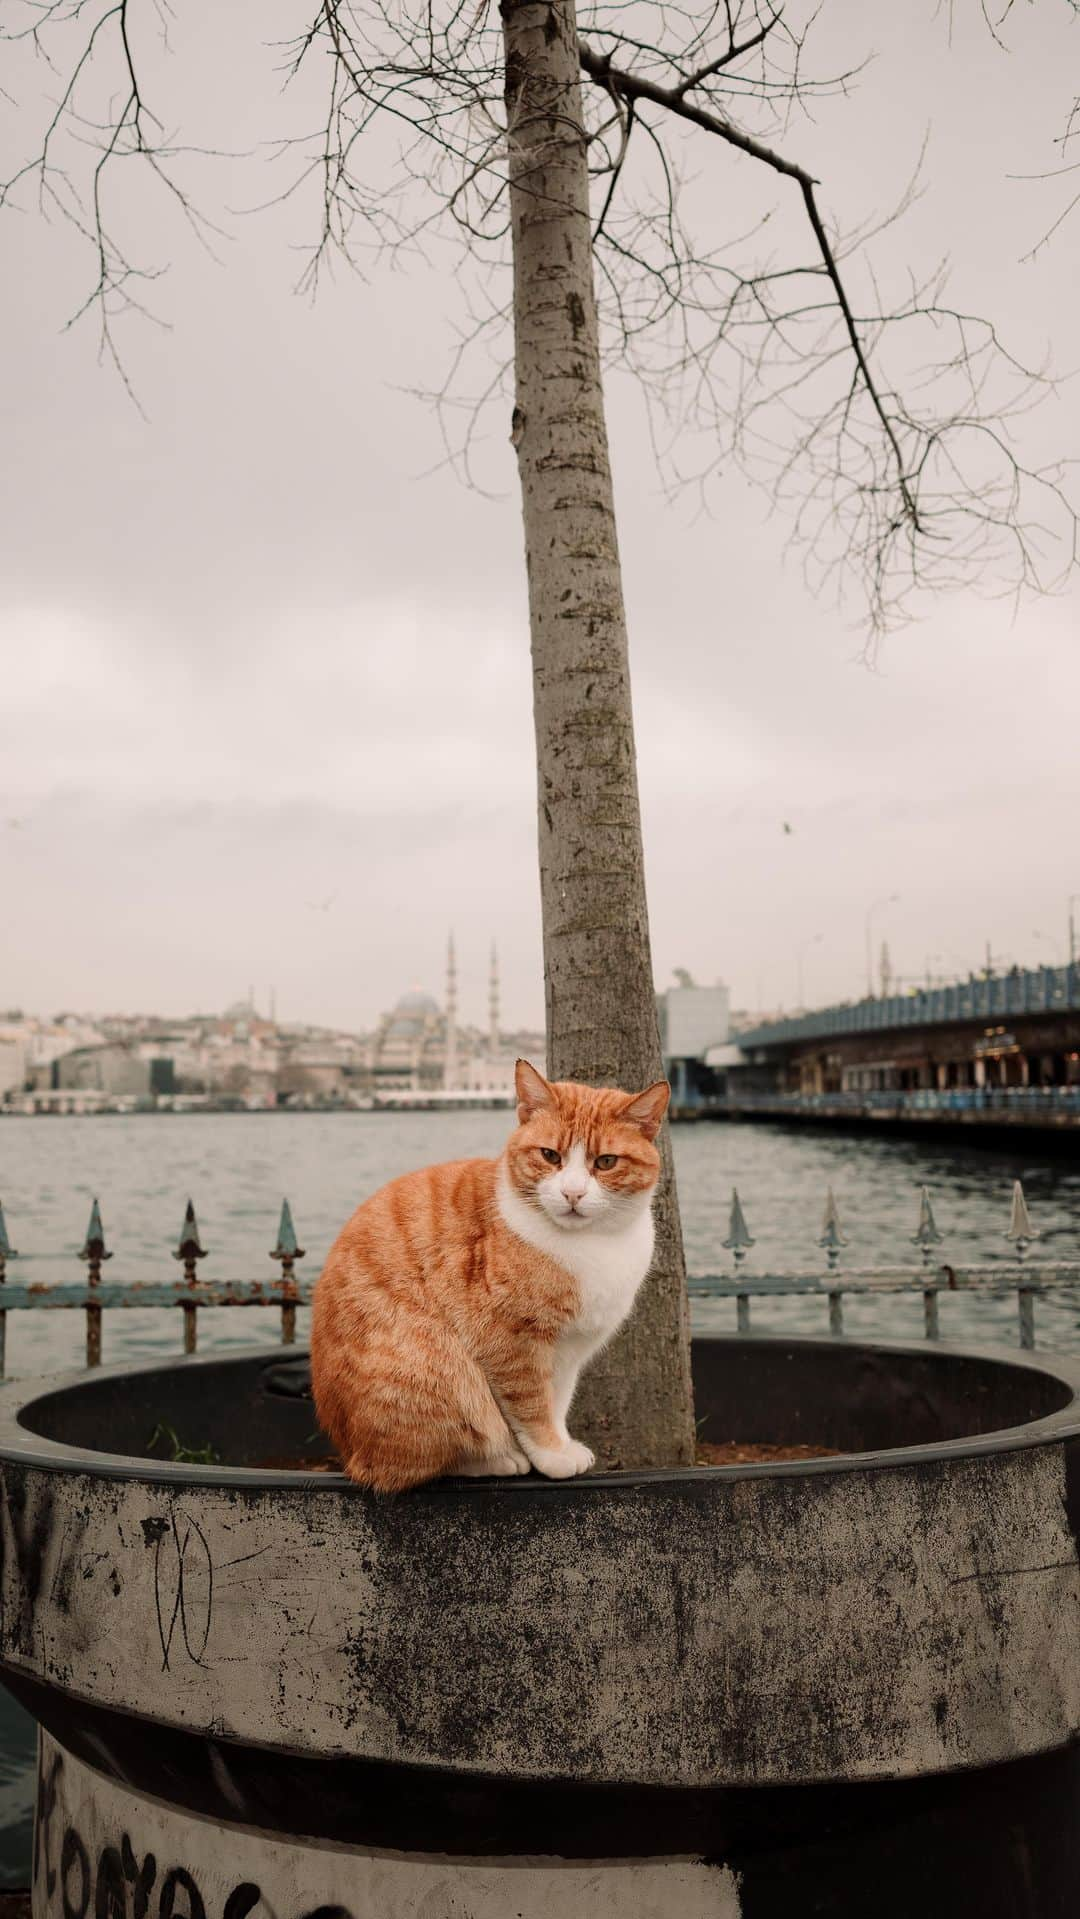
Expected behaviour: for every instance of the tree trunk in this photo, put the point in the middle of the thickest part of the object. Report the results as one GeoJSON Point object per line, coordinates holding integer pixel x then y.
{"type": "Point", "coordinates": [635, 1406]}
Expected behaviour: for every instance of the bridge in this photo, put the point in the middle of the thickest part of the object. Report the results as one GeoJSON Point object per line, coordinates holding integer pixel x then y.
{"type": "Point", "coordinates": [1018, 994]}
{"type": "Point", "coordinates": [1000, 1050]}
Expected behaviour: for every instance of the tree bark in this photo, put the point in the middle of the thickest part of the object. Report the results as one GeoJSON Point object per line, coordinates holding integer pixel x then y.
{"type": "Point", "coordinates": [635, 1406]}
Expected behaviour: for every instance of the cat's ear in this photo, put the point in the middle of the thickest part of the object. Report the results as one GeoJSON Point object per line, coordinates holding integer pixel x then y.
{"type": "Point", "coordinates": [533, 1091]}
{"type": "Point", "coordinates": [647, 1109]}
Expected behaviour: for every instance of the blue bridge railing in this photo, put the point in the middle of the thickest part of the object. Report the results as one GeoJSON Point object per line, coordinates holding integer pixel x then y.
{"type": "Point", "coordinates": [1042, 989]}
{"type": "Point", "coordinates": [1044, 1102]}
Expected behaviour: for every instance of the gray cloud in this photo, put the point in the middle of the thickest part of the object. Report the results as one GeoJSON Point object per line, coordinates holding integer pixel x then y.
{"type": "Point", "coordinates": [260, 648]}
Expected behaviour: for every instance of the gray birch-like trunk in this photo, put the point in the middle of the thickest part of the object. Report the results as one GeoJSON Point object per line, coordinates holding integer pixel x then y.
{"type": "Point", "coordinates": [635, 1405]}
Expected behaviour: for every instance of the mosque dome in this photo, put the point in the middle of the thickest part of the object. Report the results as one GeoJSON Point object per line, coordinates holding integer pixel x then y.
{"type": "Point", "coordinates": [411, 1015]}
{"type": "Point", "coordinates": [416, 1005]}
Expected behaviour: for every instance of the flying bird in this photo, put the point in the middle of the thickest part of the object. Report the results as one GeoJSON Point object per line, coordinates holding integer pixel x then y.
{"type": "Point", "coordinates": [787, 828]}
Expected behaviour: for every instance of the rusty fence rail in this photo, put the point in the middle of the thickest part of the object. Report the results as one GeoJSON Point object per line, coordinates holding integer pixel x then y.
{"type": "Point", "coordinates": [189, 1293]}
{"type": "Point", "coordinates": [1014, 1277]}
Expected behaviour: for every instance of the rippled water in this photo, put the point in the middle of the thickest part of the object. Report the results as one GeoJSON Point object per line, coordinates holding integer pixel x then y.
{"type": "Point", "coordinates": [237, 1168]}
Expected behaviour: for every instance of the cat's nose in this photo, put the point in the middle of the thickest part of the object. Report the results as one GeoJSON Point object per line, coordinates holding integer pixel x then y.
{"type": "Point", "coordinates": [573, 1190]}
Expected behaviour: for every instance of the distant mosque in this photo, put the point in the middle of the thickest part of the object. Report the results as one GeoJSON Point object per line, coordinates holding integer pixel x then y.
{"type": "Point", "coordinates": [421, 1047]}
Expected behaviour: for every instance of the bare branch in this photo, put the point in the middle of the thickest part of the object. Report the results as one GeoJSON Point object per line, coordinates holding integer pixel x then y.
{"type": "Point", "coordinates": [631, 87]}
{"type": "Point", "coordinates": [883, 421]}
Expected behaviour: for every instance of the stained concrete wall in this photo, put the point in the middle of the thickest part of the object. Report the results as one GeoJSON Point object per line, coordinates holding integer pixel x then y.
{"type": "Point", "coordinates": [838, 1625]}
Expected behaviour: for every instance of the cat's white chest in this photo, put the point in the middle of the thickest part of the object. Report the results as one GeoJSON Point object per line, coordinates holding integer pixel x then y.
{"type": "Point", "coordinates": [609, 1271]}
{"type": "Point", "coordinates": [608, 1266]}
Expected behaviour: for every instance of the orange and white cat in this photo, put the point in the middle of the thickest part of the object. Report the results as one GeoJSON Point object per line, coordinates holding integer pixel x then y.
{"type": "Point", "coordinates": [459, 1305]}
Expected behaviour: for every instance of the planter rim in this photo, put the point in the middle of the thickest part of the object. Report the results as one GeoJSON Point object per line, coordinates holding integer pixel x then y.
{"type": "Point", "coordinates": [18, 1445]}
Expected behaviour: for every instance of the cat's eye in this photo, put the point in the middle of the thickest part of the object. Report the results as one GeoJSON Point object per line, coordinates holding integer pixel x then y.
{"type": "Point", "coordinates": [605, 1161]}
{"type": "Point", "coordinates": [553, 1158]}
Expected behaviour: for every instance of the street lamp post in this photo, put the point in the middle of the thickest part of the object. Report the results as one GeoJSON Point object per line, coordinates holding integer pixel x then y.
{"type": "Point", "coordinates": [888, 899]}
{"type": "Point", "coordinates": [1049, 940]}
{"type": "Point", "coordinates": [1073, 897]}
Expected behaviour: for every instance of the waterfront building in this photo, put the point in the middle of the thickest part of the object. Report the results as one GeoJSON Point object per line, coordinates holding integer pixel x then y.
{"type": "Point", "coordinates": [450, 1058]}
{"type": "Point", "coordinates": [114, 1068]}
{"type": "Point", "coordinates": [29, 1048]}
{"type": "Point", "coordinates": [693, 1020]}
{"type": "Point", "coordinates": [487, 1072]}
{"type": "Point", "coordinates": [12, 1063]}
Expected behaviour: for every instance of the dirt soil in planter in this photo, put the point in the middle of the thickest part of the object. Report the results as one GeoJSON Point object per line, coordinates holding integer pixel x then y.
{"type": "Point", "coordinates": [735, 1452]}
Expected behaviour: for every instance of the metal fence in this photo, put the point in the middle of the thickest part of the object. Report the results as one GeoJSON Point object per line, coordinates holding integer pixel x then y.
{"type": "Point", "coordinates": [1012, 1277]}
{"type": "Point", "coordinates": [188, 1293]}
{"type": "Point", "coordinates": [1015, 1276]}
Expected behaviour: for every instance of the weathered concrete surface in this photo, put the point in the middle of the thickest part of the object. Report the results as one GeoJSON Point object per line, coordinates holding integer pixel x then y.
{"type": "Point", "coordinates": [102, 1849]}
{"type": "Point", "coordinates": [704, 1631]}
{"type": "Point", "coordinates": [572, 1695]}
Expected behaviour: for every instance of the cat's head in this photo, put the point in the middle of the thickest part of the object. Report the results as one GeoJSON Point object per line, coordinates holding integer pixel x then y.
{"type": "Point", "coordinates": [584, 1155]}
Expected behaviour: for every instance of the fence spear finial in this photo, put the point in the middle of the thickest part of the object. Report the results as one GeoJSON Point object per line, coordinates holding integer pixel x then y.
{"type": "Point", "coordinates": [739, 1237]}
{"type": "Point", "coordinates": [190, 1246]}
{"type": "Point", "coordinates": [189, 1250]}
{"type": "Point", "coordinates": [1021, 1231]}
{"type": "Point", "coordinates": [926, 1235]}
{"type": "Point", "coordinates": [832, 1237]}
{"type": "Point", "coordinates": [287, 1247]}
{"type": "Point", "coordinates": [94, 1252]}
{"type": "Point", "coordinates": [287, 1251]}
{"type": "Point", "coordinates": [94, 1249]}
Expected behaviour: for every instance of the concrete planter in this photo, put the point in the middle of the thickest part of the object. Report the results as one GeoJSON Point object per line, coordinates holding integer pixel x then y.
{"type": "Point", "coordinates": [840, 1687]}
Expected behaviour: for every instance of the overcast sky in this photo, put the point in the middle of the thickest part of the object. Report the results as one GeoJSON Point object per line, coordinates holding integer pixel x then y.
{"type": "Point", "coordinates": [266, 691]}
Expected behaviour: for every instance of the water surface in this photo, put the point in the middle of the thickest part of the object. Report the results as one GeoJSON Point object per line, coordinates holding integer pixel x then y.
{"type": "Point", "coordinates": [237, 1168]}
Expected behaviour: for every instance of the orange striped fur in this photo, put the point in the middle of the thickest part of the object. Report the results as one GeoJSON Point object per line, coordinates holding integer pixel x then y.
{"type": "Point", "coordinates": [458, 1304]}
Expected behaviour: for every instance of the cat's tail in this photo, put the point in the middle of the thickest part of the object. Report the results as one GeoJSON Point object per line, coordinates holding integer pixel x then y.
{"type": "Point", "coordinates": [386, 1463]}
{"type": "Point", "coordinates": [382, 1473]}
{"type": "Point", "coordinates": [408, 1405]}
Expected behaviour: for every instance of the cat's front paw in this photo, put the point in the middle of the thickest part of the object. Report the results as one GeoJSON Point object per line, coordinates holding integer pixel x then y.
{"type": "Point", "coordinates": [565, 1462]}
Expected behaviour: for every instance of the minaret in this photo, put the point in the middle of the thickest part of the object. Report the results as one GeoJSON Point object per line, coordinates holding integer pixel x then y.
{"type": "Point", "coordinates": [493, 1002]}
{"type": "Point", "coordinates": [450, 1070]}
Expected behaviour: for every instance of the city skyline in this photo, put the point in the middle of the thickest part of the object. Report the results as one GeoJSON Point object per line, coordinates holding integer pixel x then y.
{"type": "Point", "coordinates": [483, 1018]}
